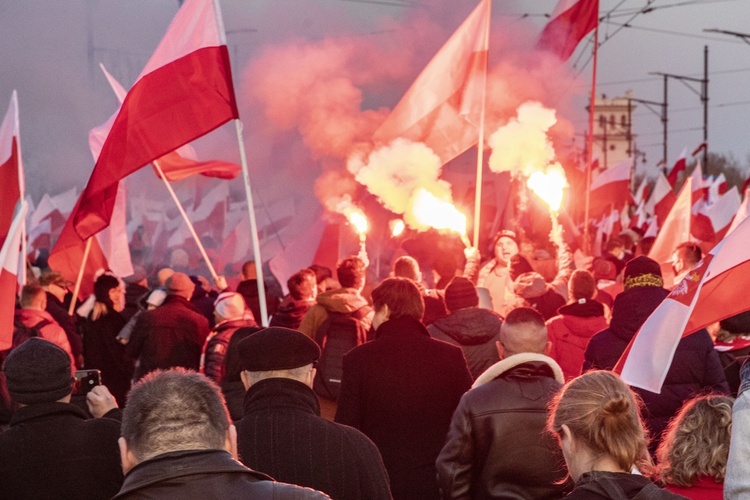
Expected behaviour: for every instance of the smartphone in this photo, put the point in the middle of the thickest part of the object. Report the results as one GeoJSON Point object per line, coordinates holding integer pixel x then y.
{"type": "Point", "coordinates": [85, 380]}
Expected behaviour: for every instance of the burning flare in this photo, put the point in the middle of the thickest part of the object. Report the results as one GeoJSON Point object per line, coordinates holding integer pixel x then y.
{"type": "Point", "coordinates": [397, 227]}
{"type": "Point", "coordinates": [356, 217]}
{"type": "Point", "coordinates": [549, 185]}
{"type": "Point", "coordinates": [428, 211]}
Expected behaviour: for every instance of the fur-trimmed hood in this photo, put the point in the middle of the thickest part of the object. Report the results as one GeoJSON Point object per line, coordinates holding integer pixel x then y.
{"type": "Point", "coordinates": [511, 362]}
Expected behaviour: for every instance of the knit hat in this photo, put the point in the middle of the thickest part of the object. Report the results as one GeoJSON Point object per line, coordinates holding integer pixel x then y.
{"type": "Point", "coordinates": [460, 294]}
{"type": "Point", "coordinates": [604, 270]}
{"type": "Point", "coordinates": [38, 371]}
{"type": "Point", "coordinates": [581, 285]}
{"type": "Point", "coordinates": [642, 271]}
{"type": "Point", "coordinates": [507, 233]}
{"type": "Point", "coordinates": [518, 266]}
{"type": "Point", "coordinates": [229, 305]}
{"type": "Point", "coordinates": [738, 324]}
{"type": "Point", "coordinates": [179, 283]}
{"type": "Point", "coordinates": [277, 348]}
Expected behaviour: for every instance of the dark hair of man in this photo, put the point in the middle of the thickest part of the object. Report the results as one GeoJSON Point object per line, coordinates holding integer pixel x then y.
{"type": "Point", "coordinates": [351, 272]}
{"type": "Point", "coordinates": [174, 410]}
{"type": "Point", "coordinates": [614, 244]}
{"type": "Point", "coordinates": [406, 267]}
{"type": "Point", "coordinates": [248, 270]}
{"type": "Point", "coordinates": [322, 273]}
{"type": "Point", "coordinates": [401, 296]}
{"type": "Point", "coordinates": [29, 294]}
{"type": "Point", "coordinates": [301, 284]}
{"type": "Point", "coordinates": [690, 252]}
{"type": "Point", "coordinates": [521, 315]}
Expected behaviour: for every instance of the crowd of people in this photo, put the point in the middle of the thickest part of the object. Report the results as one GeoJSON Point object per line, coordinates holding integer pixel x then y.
{"type": "Point", "coordinates": [493, 381]}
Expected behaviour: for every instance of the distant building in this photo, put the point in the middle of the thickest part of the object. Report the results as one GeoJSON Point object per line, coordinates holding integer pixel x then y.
{"type": "Point", "coordinates": [614, 140]}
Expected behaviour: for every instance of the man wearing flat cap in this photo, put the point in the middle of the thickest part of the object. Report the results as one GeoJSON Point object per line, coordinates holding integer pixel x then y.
{"type": "Point", "coordinates": [51, 449]}
{"type": "Point", "coordinates": [171, 335]}
{"type": "Point", "coordinates": [282, 433]}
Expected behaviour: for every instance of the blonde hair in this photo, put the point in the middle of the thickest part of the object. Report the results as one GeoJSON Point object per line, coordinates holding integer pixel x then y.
{"type": "Point", "coordinates": [602, 412]}
{"type": "Point", "coordinates": [696, 442]}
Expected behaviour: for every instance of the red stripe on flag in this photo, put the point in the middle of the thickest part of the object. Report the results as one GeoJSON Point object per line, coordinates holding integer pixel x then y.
{"type": "Point", "coordinates": [563, 33]}
{"type": "Point", "coordinates": [11, 191]}
{"type": "Point", "coordinates": [726, 292]}
{"type": "Point", "coordinates": [165, 109]}
{"type": "Point", "coordinates": [7, 307]}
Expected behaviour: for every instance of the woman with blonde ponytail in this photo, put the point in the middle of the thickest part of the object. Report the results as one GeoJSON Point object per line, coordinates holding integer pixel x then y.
{"type": "Point", "coordinates": [597, 420]}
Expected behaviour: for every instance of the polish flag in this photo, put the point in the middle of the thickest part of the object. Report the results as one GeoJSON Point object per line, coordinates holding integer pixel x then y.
{"type": "Point", "coordinates": [11, 168]}
{"type": "Point", "coordinates": [652, 228]}
{"type": "Point", "coordinates": [442, 107]}
{"type": "Point", "coordinates": [182, 163]}
{"type": "Point", "coordinates": [716, 289]}
{"type": "Point", "coordinates": [639, 216]}
{"type": "Point", "coordinates": [745, 185]}
{"type": "Point", "coordinates": [742, 212]}
{"type": "Point", "coordinates": [10, 263]}
{"type": "Point", "coordinates": [717, 188]}
{"type": "Point", "coordinates": [700, 148]}
{"type": "Point", "coordinates": [611, 188]}
{"type": "Point", "coordinates": [184, 92]}
{"type": "Point", "coordinates": [570, 22]}
{"type": "Point", "coordinates": [700, 225]}
{"type": "Point", "coordinates": [678, 167]}
{"type": "Point", "coordinates": [641, 194]}
{"type": "Point", "coordinates": [662, 199]}
{"type": "Point", "coordinates": [722, 212]}
{"type": "Point", "coordinates": [675, 230]}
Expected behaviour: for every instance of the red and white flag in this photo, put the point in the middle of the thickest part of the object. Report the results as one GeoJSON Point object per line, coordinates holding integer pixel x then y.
{"type": "Point", "coordinates": [182, 163]}
{"type": "Point", "coordinates": [611, 188]}
{"type": "Point", "coordinates": [716, 289]}
{"type": "Point", "coordinates": [742, 212]}
{"type": "Point", "coordinates": [722, 212]}
{"type": "Point", "coordinates": [641, 194]}
{"type": "Point", "coordinates": [10, 262]}
{"type": "Point", "coordinates": [700, 148]}
{"type": "Point", "coordinates": [184, 92]}
{"type": "Point", "coordinates": [700, 225]}
{"type": "Point", "coordinates": [678, 167]}
{"type": "Point", "coordinates": [570, 22]}
{"type": "Point", "coordinates": [675, 230]}
{"type": "Point", "coordinates": [442, 107]}
{"type": "Point", "coordinates": [661, 200]}
{"type": "Point", "coordinates": [718, 187]}
{"type": "Point", "coordinates": [11, 167]}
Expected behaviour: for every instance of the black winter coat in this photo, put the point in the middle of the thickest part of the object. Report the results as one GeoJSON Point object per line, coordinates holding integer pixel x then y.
{"type": "Point", "coordinates": [401, 390]}
{"type": "Point", "coordinates": [497, 446]}
{"type": "Point", "coordinates": [597, 485]}
{"type": "Point", "coordinates": [695, 366]}
{"type": "Point", "coordinates": [216, 347]}
{"type": "Point", "coordinates": [104, 352]}
{"type": "Point", "coordinates": [204, 475]}
{"type": "Point", "coordinates": [475, 331]}
{"type": "Point", "coordinates": [249, 291]}
{"type": "Point", "coordinates": [51, 451]}
{"type": "Point", "coordinates": [170, 335]}
{"type": "Point", "coordinates": [283, 435]}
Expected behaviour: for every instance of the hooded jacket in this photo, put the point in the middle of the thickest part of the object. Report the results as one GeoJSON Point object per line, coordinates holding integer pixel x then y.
{"type": "Point", "coordinates": [695, 366]}
{"type": "Point", "coordinates": [538, 295]}
{"type": "Point", "coordinates": [475, 331]}
{"type": "Point", "coordinates": [497, 445]}
{"type": "Point", "coordinates": [342, 300]}
{"type": "Point", "coordinates": [569, 334]}
{"type": "Point", "coordinates": [290, 312]}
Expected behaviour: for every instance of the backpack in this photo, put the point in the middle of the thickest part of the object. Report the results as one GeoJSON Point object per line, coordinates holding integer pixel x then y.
{"type": "Point", "coordinates": [337, 335]}
{"type": "Point", "coordinates": [22, 333]}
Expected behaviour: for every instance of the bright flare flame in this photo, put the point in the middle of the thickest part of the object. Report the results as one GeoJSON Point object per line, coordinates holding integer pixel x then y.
{"type": "Point", "coordinates": [358, 220]}
{"type": "Point", "coordinates": [429, 211]}
{"type": "Point", "coordinates": [397, 227]}
{"type": "Point", "coordinates": [549, 185]}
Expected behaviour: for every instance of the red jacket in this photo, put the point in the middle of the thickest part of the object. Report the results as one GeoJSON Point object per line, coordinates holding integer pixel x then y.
{"type": "Point", "coordinates": [570, 332]}
{"type": "Point", "coordinates": [706, 488]}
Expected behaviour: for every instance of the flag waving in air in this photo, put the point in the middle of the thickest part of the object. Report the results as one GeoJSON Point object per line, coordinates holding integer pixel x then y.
{"type": "Point", "coordinates": [714, 290]}
{"type": "Point", "coordinates": [9, 264]}
{"type": "Point", "coordinates": [184, 92]}
{"type": "Point", "coordinates": [11, 170]}
{"type": "Point", "coordinates": [570, 22]}
{"type": "Point", "coordinates": [441, 108]}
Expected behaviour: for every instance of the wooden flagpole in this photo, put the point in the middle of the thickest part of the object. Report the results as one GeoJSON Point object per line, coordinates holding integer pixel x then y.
{"type": "Point", "coordinates": [480, 139]}
{"type": "Point", "coordinates": [590, 145]}
{"type": "Point", "coordinates": [79, 279]}
{"type": "Point", "coordinates": [187, 221]}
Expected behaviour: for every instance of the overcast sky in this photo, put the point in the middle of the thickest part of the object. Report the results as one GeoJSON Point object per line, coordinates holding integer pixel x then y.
{"type": "Point", "coordinates": [51, 50]}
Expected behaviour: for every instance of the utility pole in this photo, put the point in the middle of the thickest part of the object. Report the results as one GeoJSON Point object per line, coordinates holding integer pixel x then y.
{"type": "Point", "coordinates": [703, 94]}
{"type": "Point", "coordinates": [661, 114]}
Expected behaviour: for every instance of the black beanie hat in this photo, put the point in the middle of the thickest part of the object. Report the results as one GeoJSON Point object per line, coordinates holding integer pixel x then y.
{"type": "Point", "coordinates": [460, 294]}
{"type": "Point", "coordinates": [38, 371]}
{"type": "Point", "coordinates": [642, 271]}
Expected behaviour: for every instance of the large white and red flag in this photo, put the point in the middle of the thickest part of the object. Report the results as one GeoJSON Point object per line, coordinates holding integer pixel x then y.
{"type": "Point", "coordinates": [570, 22]}
{"type": "Point", "coordinates": [678, 167]}
{"type": "Point", "coordinates": [742, 212]}
{"type": "Point", "coordinates": [662, 199]}
{"type": "Point", "coordinates": [10, 262]}
{"type": "Point", "coordinates": [184, 92]}
{"type": "Point", "coordinates": [442, 107]}
{"type": "Point", "coordinates": [641, 194]}
{"type": "Point", "coordinates": [722, 212]}
{"type": "Point", "coordinates": [611, 188]}
{"type": "Point", "coordinates": [11, 167]}
{"type": "Point", "coordinates": [716, 289]}
{"type": "Point", "coordinates": [675, 230]}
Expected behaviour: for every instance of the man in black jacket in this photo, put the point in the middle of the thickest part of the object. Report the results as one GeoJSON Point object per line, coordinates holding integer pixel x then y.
{"type": "Point", "coordinates": [497, 446]}
{"type": "Point", "coordinates": [177, 443]}
{"type": "Point", "coordinates": [52, 449]}
{"type": "Point", "coordinates": [171, 335]}
{"type": "Point", "coordinates": [282, 432]}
